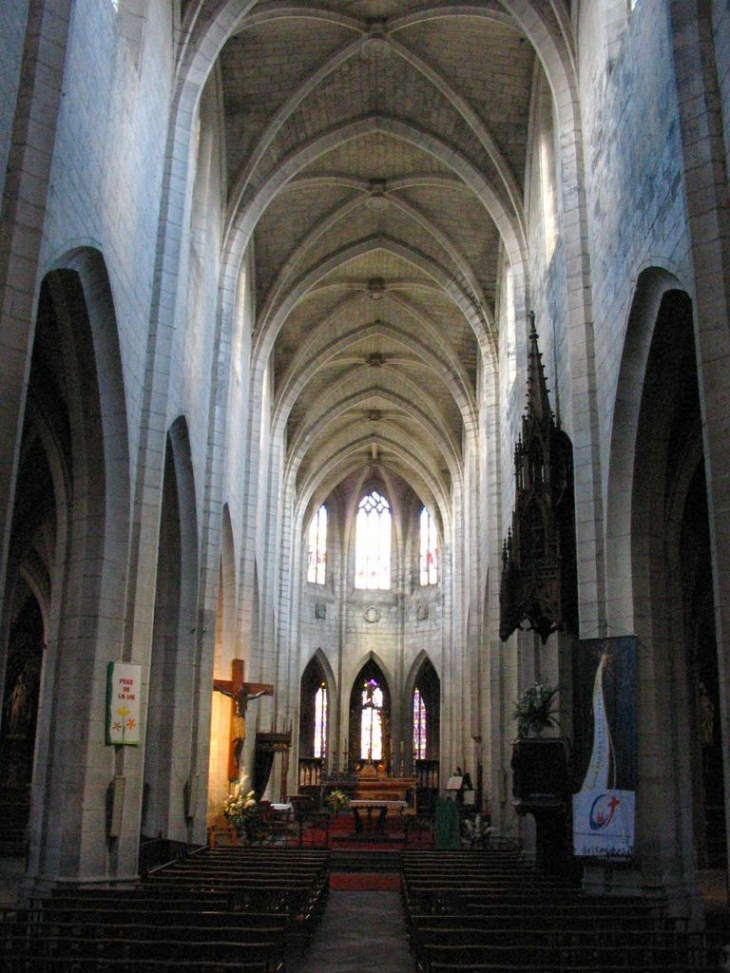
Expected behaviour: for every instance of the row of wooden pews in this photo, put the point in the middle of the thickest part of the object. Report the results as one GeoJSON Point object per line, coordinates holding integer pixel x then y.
{"type": "Point", "coordinates": [248, 909]}
{"type": "Point", "coordinates": [490, 912]}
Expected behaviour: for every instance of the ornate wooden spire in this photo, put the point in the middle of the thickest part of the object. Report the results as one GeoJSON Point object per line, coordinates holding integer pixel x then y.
{"type": "Point", "coordinates": [538, 401]}
{"type": "Point", "coordinates": [538, 589]}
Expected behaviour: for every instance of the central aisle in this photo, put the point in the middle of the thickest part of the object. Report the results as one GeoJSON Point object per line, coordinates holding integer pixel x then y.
{"type": "Point", "coordinates": [361, 932]}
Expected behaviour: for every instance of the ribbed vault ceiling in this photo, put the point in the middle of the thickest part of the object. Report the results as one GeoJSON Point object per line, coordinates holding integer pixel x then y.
{"type": "Point", "coordinates": [383, 143]}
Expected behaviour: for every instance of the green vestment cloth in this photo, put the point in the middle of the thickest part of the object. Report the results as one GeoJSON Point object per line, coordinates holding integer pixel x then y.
{"type": "Point", "coordinates": [447, 824]}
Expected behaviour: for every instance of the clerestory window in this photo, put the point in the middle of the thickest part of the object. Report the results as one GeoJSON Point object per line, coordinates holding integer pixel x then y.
{"type": "Point", "coordinates": [372, 542]}
{"type": "Point", "coordinates": [317, 547]}
{"type": "Point", "coordinates": [429, 550]}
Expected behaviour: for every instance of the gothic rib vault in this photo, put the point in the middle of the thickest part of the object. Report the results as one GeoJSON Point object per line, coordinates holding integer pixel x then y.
{"type": "Point", "coordinates": [376, 156]}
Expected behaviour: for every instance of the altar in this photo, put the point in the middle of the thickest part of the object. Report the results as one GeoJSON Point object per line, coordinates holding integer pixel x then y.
{"type": "Point", "coordinates": [377, 803]}
{"type": "Point", "coordinates": [378, 798]}
{"type": "Point", "coordinates": [383, 808]}
{"type": "Point", "coordinates": [389, 790]}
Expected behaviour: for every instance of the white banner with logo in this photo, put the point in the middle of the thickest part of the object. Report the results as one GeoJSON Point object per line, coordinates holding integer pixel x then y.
{"type": "Point", "coordinates": [123, 696]}
{"type": "Point", "coordinates": [603, 823]}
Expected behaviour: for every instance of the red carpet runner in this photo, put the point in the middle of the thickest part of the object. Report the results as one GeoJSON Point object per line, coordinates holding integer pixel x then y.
{"type": "Point", "coordinates": [365, 882]}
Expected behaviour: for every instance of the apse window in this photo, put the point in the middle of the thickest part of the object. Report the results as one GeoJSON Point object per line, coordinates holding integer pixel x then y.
{"type": "Point", "coordinates": [429, 550]}
{"type": "Point", "coordinates": [317, 547]}
{"type": "Point", "coordinates": [371, 722]}
{"type": "Point", "coordinates": [419, 726]}
{"type": "Point", "coordinates": [320, 722]}
{"type": "Point", "coordinates": [372, 543]}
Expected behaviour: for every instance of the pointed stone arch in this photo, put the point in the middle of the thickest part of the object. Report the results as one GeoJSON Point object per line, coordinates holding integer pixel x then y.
{"type": "Point", "coordinates": [317, 672]}
{"type": "Point", "coordinates": [226, 620]}
{"type": "Point", "coordinates": [321, 658]}
{"type": "Point", "coordinates": [68, 552]}
{"type": "Point", "coordinates": [652, 285]}
{"type": "Point", "coordinates": [172, 693]}
{"type": "Point", "coordinates": [423, 675]}
{"type": "Point", "coordinates": [255, 632]}
{"type": "Point", "coordinates": [657, 485]}
{"type": "Point", "coordinates": [225, 652]}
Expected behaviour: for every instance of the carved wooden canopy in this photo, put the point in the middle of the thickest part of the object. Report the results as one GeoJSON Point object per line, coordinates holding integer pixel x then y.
{"type": "Point", "coordinates": [538, 589]}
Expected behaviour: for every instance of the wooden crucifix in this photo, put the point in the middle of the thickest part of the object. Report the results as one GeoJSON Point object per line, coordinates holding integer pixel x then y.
{"type": "Point", "coordinates": [241, 693]}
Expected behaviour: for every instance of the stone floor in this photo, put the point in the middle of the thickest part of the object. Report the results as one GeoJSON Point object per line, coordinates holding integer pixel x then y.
{"type": "Point", "coordinates": [361, 932]}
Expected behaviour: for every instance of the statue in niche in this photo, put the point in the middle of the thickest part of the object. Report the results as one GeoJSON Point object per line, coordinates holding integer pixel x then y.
{"type": "Point", "coordinates": [707, 715]}
{"type": "Point", "coordinates": [19, 707]}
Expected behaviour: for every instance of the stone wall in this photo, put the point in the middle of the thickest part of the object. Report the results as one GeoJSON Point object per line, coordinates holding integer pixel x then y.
{"type": "Point", "coordinates": [12, 24]}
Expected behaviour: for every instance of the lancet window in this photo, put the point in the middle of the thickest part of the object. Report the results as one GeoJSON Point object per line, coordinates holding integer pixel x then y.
{"type": "Point", "coordinates": [371, 722]}
{"type": "Point", "coordinates": [429, 550]}
{"type": "Point", "coordinates": [372, 542]}
{"type": "Point", "coordinates": [317, 547]}
{"type": "Point", "coordinates": [320, 721]}
{"type": "Point", "coordinates": [419, 726]}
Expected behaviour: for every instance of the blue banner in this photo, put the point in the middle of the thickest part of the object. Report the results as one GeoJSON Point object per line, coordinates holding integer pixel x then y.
{"type": "Point", "coordinates": [604, 675]}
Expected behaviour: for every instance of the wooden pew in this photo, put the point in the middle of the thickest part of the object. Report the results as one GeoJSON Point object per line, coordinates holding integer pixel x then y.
{"type": "Point", "coordinates": [593, 957]}
{"type": "Point", "coordinates": [95, 964]}
{"type": "Point", "coordinates": [481, 913]}
{"type": "Point", "coordinates": [201, 914]}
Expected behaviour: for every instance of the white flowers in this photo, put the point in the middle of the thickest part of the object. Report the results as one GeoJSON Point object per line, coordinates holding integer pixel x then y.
{"type": "Point", "coordinates": [239, 805]}
{"type": "Point", "coordinates": [477, 827]}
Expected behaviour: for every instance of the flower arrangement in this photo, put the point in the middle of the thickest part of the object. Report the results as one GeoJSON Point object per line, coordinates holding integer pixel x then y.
{"type": "Point", "coordinates": [534, 710]}
{"type": "Point", "coordinates": [477, 829]}
{"type": "Point", "coordinates": [336, 801]}
{"type": "Point", "coordinates": [242, 812]}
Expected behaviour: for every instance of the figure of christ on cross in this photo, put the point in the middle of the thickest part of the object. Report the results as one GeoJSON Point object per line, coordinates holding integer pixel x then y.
{"type": "Point", "coordinates": [241, 693]}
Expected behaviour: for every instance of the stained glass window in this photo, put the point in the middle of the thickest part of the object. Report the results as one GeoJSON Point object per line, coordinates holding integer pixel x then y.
{"type": "Point", "coordinates": [419, 726]}
{"type": "Point", "coordinates": [372, 542]}
{"type": "Point", "coordinates": [320, 722]}
{"type": "Point", "coordinates": [317, 547]}
{"type": "Point", "coordinates": [429, 550]}
{"type": "Point", "coordinates": [371, 725]}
